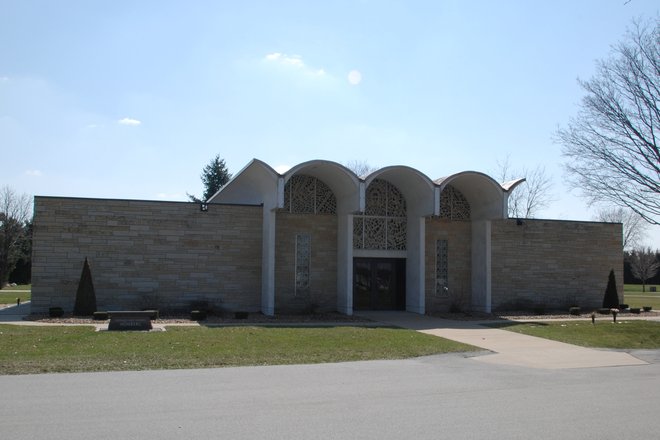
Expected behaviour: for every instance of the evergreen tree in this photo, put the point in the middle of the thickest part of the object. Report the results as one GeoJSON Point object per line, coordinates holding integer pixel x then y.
{"type": "Point", "coordinates": [85, 295]}
{"type": "Point", "coordinates": [214, 176]}
{"type": "Point", "coordinates": [611, 298]}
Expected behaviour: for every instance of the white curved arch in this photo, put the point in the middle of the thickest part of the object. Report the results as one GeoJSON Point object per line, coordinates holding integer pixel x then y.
{"type": "Point", "coordinates": [485, 195]}
{"type": "Point", "coordinates": [255, 184]}
{"type": "Point", "coordinates": [512, 184]}
{"type": "Point", "coordinates": [342, 181]}
{"type": "Point", "coordinates": [416, 187]}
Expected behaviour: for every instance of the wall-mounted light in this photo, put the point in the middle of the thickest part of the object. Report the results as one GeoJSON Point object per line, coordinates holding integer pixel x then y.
{"type": "Point", "coordinates": [203, 207]}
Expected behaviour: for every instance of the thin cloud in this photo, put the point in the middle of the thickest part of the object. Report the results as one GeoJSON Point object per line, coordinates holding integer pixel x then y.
{"type": "Point", "coordinates": [129, 121]}
{"type": "Point", "coordinates": [4, 78]}
{"type": "Point", "coordinates": [33, 173]}
{"type": "Point", "coordinates": [294, 61]}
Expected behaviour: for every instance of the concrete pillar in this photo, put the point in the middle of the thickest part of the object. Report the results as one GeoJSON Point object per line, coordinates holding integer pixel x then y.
{"type": "Point", "coordinates": [481, 266]}
{"type": "Point", "coordinates": [345, 264]}
{"type": "Point", "coordinates": [415, 280]}
{"type": "Point", "coordinates": [268, 262]}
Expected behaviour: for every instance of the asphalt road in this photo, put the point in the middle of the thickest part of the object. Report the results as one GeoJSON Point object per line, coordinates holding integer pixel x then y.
{"type": "Point", "coordinates": [437, 397]}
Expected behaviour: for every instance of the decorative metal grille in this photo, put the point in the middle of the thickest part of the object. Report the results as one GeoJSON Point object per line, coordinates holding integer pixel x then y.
{"type": "Point", "coordinates": [383, 225]}
{"type": "Point", "coordinates": [453, 204]}
{"type": "Point", "coordinates": [303, 258]}
{"type": "Point", "coordinates": [441, 268]}
{"type": "Point", "coordinates": [308, 195]}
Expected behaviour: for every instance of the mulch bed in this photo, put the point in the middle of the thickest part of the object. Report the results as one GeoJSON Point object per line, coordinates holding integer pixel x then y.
{"type": "Point", "coordinates": [253, 318]}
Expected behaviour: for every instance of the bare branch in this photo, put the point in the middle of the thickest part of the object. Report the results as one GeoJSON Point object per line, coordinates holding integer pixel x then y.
{"type": "Point", "coordinates": [531, 196]}
{"type": "Point", "coordinates": [611, 145]}
{"type": "Point", "coordinates": [634, 227]}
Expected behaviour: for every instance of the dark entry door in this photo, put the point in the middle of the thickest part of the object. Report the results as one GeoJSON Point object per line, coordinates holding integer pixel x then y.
{"type": "Point", "coordinates": [379, 284]}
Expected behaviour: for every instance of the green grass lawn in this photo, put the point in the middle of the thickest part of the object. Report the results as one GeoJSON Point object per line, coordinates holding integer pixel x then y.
{"type": "Point", "coordinates": [634, 296]}
{"type": "Point", "coordinates": [637, 288]}
{"type": "Point", "coordinates": [8, 295]}
{"type": "Point", "coordinates": [31, 349]}
{"type": "Point", "coordinates": [605, 334]}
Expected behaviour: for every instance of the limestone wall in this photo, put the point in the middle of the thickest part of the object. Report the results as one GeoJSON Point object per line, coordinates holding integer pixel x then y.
{"type": "Point", "coordinates": [146, 254]}
{"type": "Point", "coordinates": [322, 292]}
{"type": "Point", "coordinates": [458, 236]}
{"type": "Point", "coordinates": [554, 263]}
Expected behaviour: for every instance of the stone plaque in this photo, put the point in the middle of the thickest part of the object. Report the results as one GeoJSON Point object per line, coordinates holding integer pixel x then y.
{"type": "Point", "coordinates": [137, 321]}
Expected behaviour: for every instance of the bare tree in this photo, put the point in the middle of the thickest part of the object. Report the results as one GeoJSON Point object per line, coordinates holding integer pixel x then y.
{"type": "Point", "coordinates": [611, 145]}
{"type": "Point", "coordinates": [634, 226]}
{"type": "Point", "coordinates": [360, 167]}
{"type": "Point", "coordinates": [644, 265]}
{"type": "Point", "coordinates": [532, 195]}
{"type": "Point", "coordinates": [14, 215]}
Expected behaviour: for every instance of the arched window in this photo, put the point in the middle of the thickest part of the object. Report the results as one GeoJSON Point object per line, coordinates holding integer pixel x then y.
{"type": "Point", "coordinates": [383, 224]}
{"type": "Point", "coordinates": [308, 195]}
{"type": "Point", "coordinates": [453, 204]}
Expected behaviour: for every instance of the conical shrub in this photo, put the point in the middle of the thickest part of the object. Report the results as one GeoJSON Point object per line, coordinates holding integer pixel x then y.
{"type": "Point", "coordinates": [85, 295]}
{"type": "Point", "coordinates": [611, 298]}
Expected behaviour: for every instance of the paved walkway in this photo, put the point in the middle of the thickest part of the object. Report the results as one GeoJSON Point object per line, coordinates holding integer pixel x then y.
{"type": "Point", "coordinates": [509, 348]}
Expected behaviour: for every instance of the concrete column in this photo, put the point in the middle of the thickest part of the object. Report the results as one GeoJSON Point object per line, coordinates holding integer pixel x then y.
{"type": "Point", "coordinates": [415, 281]}
{"type": "Point", "coordinates": [268, 262]}
{"type": "Point", "coordinates": [345, 264]}
{"type": "Point", "coordinates": [481, 266]}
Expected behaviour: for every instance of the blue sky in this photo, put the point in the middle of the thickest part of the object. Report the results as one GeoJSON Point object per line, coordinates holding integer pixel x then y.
{"type": "Point", "coordinates": [130, 99]}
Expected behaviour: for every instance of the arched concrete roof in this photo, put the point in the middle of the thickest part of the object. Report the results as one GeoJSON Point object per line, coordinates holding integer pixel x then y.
{"type": "Point", "coordinates": [415, 186]}
{"type": "Point", "coordinates": [485, 195]}
{"type": "Point", "coordinates": [512, 184]}
{"type": "Point", "coordinates": [254, 184]}
{"type": "Point", "coordinates": [342, 181]}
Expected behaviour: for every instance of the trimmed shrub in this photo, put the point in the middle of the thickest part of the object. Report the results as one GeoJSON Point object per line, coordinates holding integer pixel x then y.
{"type": "Point", "coordinates": [648, 308]}
{"type": "Point", "coordinates": [240, 315]}
{"type": "Point", "coordinates": [100, 316]}
{"type": "Point", "coordinates": [574, 311]}
{"type": "Point", "coordinates": [198, 315]}
{"type": "Point", "coordinates": [604, 311]}
{"type": "Point", "coordinates": [55, 312]}
{"type": "Point", "coordinates": [635, 310]}
{"type": "Point", "coordinates": [611, 298]}
{"type": "Point", "coordinates": [623, 306]}
{"type": "Point", "coordinates": [85, 295]}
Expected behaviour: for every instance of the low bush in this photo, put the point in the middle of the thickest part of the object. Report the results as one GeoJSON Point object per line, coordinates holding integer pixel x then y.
{"type": "Point", "coordinates": [241, 315]}
{"type": "Point", "coordinates": [55, 312]}
{"type": "Point", "coordinates": [648, 308]}
{"type": "Point", "coordinates": [604, 311]}
{"type": "Point", "coordinates": [198, 315]}
{"type": "Point", "coordinates": [635, 310]}
{"type": "Point", "coordinates": [574, 311]}
{"type": "Point", "coordinates": [100, 316]}
{"type": "Point", "coordinates": [623, 306]}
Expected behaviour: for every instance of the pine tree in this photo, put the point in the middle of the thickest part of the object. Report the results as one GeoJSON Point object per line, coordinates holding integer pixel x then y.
{"type": "Point", "coordinates": [214, 176]}
{"type": "Point", "coordinates": [611, 298]}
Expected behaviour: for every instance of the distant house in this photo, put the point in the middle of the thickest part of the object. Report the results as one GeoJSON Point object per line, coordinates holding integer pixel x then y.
{"type": "Point", "coordinates": [320, 238]}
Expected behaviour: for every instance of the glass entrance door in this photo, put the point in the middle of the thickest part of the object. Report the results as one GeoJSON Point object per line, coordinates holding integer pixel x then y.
{"type": "Point", "coordinates": [379, 284]}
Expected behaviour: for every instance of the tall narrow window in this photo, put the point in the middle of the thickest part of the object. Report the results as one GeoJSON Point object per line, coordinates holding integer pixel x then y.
{"type": "Point", "coordinates": [303, 257]}
{"type": "Point", "coordinates": [441, 275]}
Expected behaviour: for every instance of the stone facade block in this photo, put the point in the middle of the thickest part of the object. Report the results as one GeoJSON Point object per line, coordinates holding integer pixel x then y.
{"type": "Point", "coordinates": [146, 254]}
{"type": "Point", "coordinates": [553, 263]}
{"type": "Point", "coordinates": [322, 293]}
{"type": "Point", "coordinates": [458, 235]}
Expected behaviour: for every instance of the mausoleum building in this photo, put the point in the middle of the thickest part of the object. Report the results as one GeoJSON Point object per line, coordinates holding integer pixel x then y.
{"type": "Point", "coordinates": [320, 238]}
